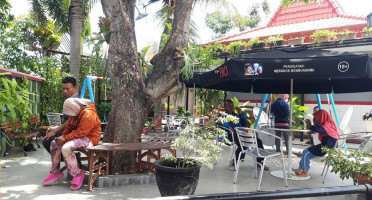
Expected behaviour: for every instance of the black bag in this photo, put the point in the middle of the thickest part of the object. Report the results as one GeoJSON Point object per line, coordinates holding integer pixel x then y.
{"type": "Point", "coordinates": [29, 147]}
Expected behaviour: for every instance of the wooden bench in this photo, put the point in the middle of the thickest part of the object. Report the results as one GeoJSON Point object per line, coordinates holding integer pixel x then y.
{"type": "Point", "coordinates": [12, 132]}
{"type": "Point", "coordinates": [149, 147]}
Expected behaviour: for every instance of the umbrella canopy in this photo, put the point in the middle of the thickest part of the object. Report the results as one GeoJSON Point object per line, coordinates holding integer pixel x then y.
{"type": "Point", "coordinates": [312, 71]}
{"type": "Point", "coordinates": [192, 82]}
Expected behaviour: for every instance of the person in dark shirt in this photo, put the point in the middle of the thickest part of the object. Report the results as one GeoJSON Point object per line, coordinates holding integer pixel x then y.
{"type": "Point", "coordinates": [70, 91]}
{"type": "Point", "coordinates": [280, 110]}
{"type": "Point", "coordinates": [229, 109]}
{"type": "Point", "coordinates": [328, 135]}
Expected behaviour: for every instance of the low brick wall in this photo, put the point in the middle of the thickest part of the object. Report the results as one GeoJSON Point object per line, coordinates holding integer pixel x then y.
{"type": "Point", "coordinates": [120, 180]}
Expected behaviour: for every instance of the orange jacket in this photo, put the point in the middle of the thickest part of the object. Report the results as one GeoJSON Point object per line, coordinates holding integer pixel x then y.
{"type": "Point", "coordinates": [85, 124]}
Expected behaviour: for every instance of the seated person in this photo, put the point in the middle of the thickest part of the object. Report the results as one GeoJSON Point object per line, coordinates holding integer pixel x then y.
{"type": "Point", "coordinates": [328, 135]}
{"type": "Point", "coordinates": [229, 109]}
{"type": "Point", "coordinates": [83, 129]}
{"type": "Point", "coordinates": [308, 125]}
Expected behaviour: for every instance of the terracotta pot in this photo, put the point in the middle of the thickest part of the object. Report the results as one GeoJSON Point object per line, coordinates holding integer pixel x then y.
{"type": "Point", "coordinates": [296, 41]}
{"type": "Point", "coordinates": [324, 39]}
{"type": "Point", "coordinates": [351, 35]}
{"type": "Point", "coordinates": [362, 178]}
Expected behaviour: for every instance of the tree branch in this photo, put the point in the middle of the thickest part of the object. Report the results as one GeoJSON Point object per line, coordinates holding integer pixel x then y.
{"type": "Point", "coordinates": [168, 63]}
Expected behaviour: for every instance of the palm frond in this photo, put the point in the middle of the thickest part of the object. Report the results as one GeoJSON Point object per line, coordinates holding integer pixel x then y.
{"type": "Point", "coordinates": [57, 10]}
{"type": "Point", "coordinates": [38, 12]}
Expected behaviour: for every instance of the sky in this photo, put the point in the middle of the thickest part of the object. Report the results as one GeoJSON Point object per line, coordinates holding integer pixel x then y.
{"type": "Point", "coordinates": [149, 31]}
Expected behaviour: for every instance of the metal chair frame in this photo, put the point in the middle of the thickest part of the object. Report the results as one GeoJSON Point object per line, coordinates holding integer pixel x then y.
{"type": "Point", "coordinates": [248, 141]}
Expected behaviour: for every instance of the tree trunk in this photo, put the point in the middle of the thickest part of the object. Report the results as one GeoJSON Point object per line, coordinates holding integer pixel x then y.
{"type": "Point", "coordinates": [132, 95]}
{"type": "Point", "coordinates": [76, 13]}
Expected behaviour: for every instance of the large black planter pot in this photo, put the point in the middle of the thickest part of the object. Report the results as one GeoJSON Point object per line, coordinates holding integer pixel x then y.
{"type": "Point", "coordinates": [176, 181]}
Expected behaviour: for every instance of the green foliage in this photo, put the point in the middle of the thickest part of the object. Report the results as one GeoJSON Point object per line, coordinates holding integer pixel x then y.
{"type": "Point", "coordinates": [198, 143]}
{"type": "Point", "coordinates": [14, 100]}
{"type": "Point", "coordinates": [235, 47]}
{"type": "Point", "coordinates": [220, 23]}
{"type": "Point", "coordinates": [316, 36]}
{"type": "Point", "coordinates": [299, 112]}
{"type": "Point", "coordinates": [254, 41]}
{"type": "Point", "coordinates": [165, 35]}
{"type": "Point", "coordinates": [164, 106]}
{"type": "Point", "coordinates": [368, 31]}
{"type": "Point", "coordinates": [350, 163]}
{"type": "Point", "coordinates": [287, 3]}
{"type": "Point", "coordinates": [149, 124]}
{"type": "Point", "coordinates": [5, 17]}
{"type": "Point", "coordinates": [15, 46]}
{"type": "Point", "coordinates": [199, 58]}
{"type": "Point", "coordinates": [146, 66]}
{"type": "Point", "coordinates": [274, 38]}
{"type": "Point", "coordinates": [181, 112]}
{"type": "Point", "coordinates": [243, 22]}
{"type": "Point", "coordinates": [51, 95]}
{"type": "Point", "coordinates": [45, 37]}
{"type": "Point", "coordinates": [103, 109]}
{"type": "Point", "coordinates": [208, 99]}
{"type": "Point", "coordinates": [59, 11]}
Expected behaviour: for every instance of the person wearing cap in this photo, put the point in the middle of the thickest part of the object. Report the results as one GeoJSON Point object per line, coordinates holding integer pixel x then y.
{"type": "Point", "coordinates": [83, 129]}
{"type": "Point", "coordinates": [280, 110]}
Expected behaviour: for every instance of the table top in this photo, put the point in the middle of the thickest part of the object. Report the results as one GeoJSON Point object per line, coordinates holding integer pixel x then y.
{"type": "Point", "coordinates": [297, 130]}
{"type": "Point", "coordinates": [129, 146]}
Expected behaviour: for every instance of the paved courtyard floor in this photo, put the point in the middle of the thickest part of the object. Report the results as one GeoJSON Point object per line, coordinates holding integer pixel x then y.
{"type": "Point", "coordinates": [21, 177]}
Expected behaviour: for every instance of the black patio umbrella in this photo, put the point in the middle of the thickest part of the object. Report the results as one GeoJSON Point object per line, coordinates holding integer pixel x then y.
{"type": "Point", "coordinates": [312, 71]}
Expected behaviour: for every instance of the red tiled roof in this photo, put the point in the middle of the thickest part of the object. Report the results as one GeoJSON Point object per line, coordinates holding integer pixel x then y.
{"type": "Point", "coordinates": [300, 17]}
{"type": "Point", "coordinates": [301, 12]}
{"type": "Point", "coordinates": [21, 75]}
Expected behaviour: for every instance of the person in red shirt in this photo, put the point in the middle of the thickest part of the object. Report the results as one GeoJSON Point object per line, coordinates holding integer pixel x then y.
{"type": "Point", "coordinates": [83, 129]}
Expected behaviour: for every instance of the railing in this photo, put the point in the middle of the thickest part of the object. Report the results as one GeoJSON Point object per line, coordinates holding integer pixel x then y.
{"type": "Point", "coordinates": [361, 190]}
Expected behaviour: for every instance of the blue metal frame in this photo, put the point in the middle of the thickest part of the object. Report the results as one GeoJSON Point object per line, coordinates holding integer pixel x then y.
{"type": "Point", "coordinates": [88, 82]}
{"type": "Point", "coordinates": [261, 109]}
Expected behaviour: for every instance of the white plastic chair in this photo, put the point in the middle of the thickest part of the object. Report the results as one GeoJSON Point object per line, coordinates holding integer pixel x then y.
{"type": "Point", "coordinates": [264, 124]}
{"type": "Point", "coordinates": [248, 140]}
{"type": "Point", "coordinates": [54, 118]}
{"type": "Point", "coordinates": [233, 146]}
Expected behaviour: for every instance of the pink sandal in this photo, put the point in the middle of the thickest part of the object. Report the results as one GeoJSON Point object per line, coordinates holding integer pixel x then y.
{"type": "Point", "coordinates": [52, 178]}
{"type": "Point", "coordinates": [77, 181]}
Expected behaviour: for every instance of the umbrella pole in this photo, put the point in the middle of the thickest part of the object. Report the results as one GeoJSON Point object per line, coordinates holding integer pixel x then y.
{"type": "Point", "coordinates": [259, 113]}
{"type": "Point", "coordinates": [290, 133]}
{"type": "Point", "coordinates": [319, 102]}
{"type": "Point", "coordinates": [336, 115]}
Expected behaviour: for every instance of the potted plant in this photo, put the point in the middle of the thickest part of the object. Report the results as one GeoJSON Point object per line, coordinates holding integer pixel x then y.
{"type": "Point", "coordinates": [367, 32]}
{"type": "Point", "coordinates": [234, 48]}
{"type": "Point", "coordinates": [346, 35]}
{"type": "Point", "coordinates": [324, 35]}
{"type": "Point", "coordinates": [277, 40]}
{"type": "Point", "coordinates": [296, 40]}
{"type": "Point", "coordinates": [181, 112]}
{"type": "Point", "coordinates": [350, 164]}
{"type": "Point", "coordinates": [197, 143]}
{"type": "Point", "coordinates": [148, 125]}
{"type": "Point", "coordinates": [256, 43]}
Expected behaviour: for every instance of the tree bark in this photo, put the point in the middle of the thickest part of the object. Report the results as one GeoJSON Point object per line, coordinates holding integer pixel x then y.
{"type": "Point", "coordinates": [76, 14]}
{"type": "Point", "coordinates": [132, 95]}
